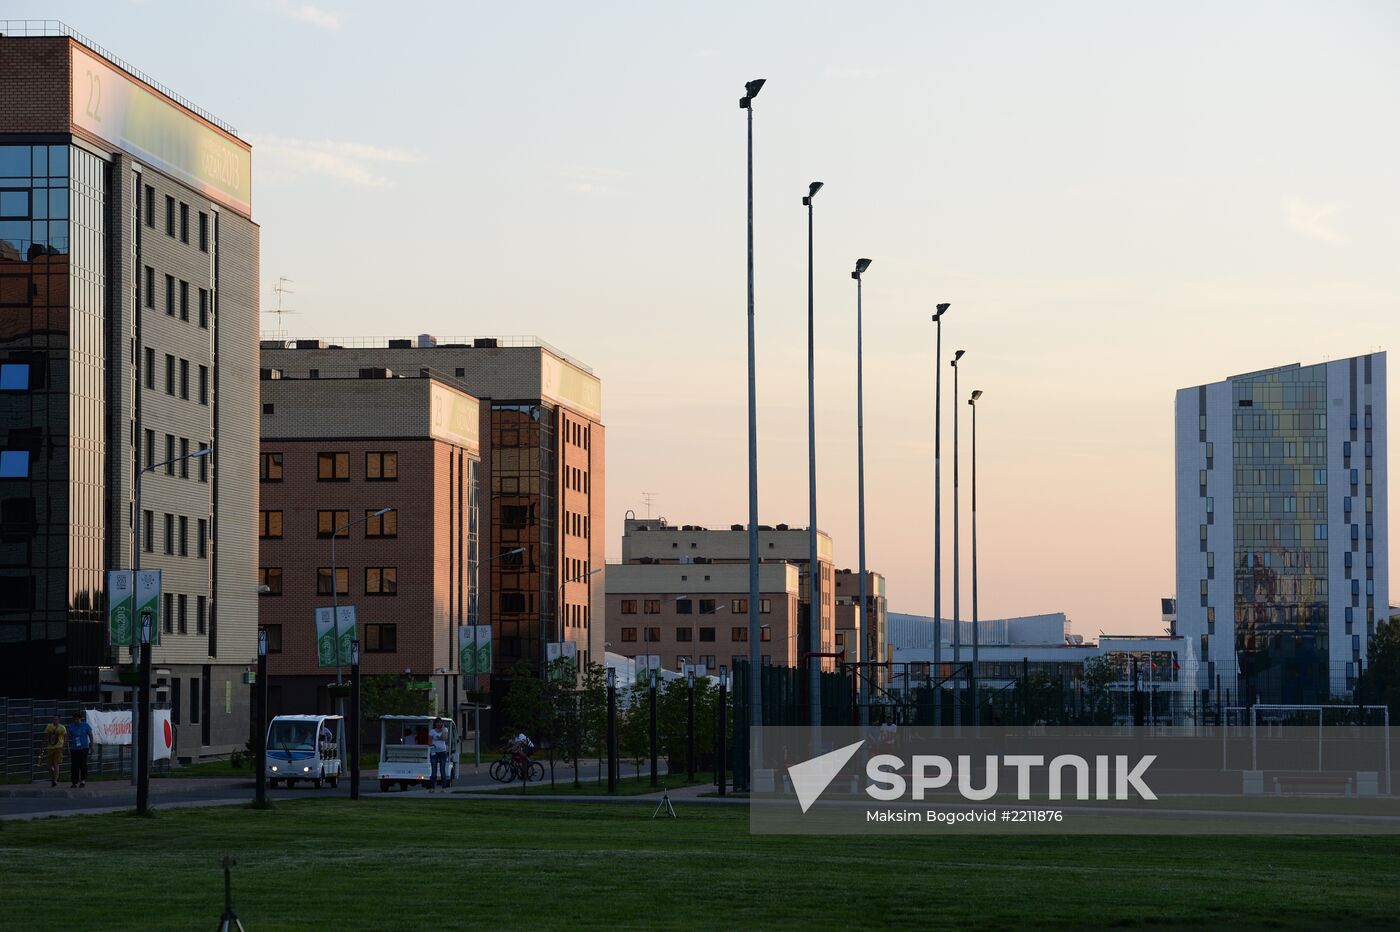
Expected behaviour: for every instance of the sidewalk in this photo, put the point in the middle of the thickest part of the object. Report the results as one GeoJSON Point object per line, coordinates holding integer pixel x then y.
{"type": "Point", "coordinates": [106, 789]}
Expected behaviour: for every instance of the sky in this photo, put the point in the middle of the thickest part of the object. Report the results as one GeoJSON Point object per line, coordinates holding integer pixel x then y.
{"type": "Point", "coordinates": [1118, 200]}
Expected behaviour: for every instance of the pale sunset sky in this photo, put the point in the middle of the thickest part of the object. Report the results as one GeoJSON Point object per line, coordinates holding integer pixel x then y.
{"type": "Point", "coordinates": [1118, 199]}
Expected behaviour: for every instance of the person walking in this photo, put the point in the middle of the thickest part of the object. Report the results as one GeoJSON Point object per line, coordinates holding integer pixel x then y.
{"type": "Point", "coordinates": [79, 743]}
{"type": "Point", "coordinates": [437, 735]}
{"type": "Point", "coordinates": [55, 737]}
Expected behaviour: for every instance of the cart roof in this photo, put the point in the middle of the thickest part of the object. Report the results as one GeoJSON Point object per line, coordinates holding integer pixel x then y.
{"type": "Point", "coordinates": [413, 718]}
{"type": "Point", "coordinates": [306, 718]}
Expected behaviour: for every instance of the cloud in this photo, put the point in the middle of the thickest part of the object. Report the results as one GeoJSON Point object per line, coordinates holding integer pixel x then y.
{"type": "Point", "coordinates": [312, 15]}
{"type": "Point", "coordinates": [349, 162]}
{"type": "Point", "coordinates": [1313, 222]}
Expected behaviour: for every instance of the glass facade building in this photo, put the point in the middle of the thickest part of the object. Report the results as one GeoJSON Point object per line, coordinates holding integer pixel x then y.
{"type": "Point", "coordinates": [1281, 473]}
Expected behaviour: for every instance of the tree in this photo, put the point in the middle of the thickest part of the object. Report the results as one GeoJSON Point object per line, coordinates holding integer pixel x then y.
{"type": "Point", "coordinates": [389, 695]}
{"type": "Point", "coordinates": [1098, 674]}
{"type": "Point", "coordinates": [634, 730]}
{"type": "Point", "coordinates": [1380, 679]}
{"type": "Point", "coordinates": [593, 714]}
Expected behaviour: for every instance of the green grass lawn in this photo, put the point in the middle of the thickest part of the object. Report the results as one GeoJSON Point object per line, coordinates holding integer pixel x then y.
{"type": "Point", "coordinates": [440, 863]}
{"type": "Point", "coordinates": [626, 786]}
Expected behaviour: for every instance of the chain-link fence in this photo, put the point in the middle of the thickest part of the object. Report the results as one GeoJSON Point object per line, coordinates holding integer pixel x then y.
{"type": "Point", "coordinates": [23, 745]}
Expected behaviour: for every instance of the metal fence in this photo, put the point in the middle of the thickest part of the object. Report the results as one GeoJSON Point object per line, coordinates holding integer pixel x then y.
{"type": "Point", "coordinates": [22, 742]}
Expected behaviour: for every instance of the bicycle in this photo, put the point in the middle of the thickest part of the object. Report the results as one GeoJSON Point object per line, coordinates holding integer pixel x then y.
{"type": "Point", "coordinates": [508, 770]}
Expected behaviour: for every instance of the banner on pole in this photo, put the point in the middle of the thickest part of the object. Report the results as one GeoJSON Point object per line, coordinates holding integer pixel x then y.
{"type": "Point", "coordinates": [562, 650]}
{"type": "Point", "coordinates": [483, 650]}
{"type": "Point", "coordinates": [162, 734]}
{"type": "Point", "coordinates": [466, 650]}
{"type": "Point", "coordinates": [119, 603]}
{"type": "Point", "coordinates": [147, 602]}
{"type": "Point", "coordinates": [326, 640]}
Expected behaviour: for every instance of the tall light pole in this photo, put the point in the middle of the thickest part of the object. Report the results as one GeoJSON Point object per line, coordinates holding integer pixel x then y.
{"type": "Point", "coordinates": [148, 637]}
{"type": "Point", "coordinates": [862, 620]}
{"type": "Point", "coordinates": [940, 310]}
{"type": "Point", "coordinates": [976, 706]}
{"type": "Point", "coordinates": [335, 587]}
{"type": "Point", "coordinates": [559, 621]}
{"type": "Point", "coordinates": [814, 613]}
{"type": "Point", "coordinates": [751, 90]}
{"type": "Point", "coordinates": [957, 615]}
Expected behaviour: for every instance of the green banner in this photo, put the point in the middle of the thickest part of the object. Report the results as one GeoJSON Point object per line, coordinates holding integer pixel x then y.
{"type": "Point", "coordinates": [483, 650]}
{"type": "Point", "coordinates": [326, 636]}
{"type": "Point", "coordinates": [119, 603]}
{"type": "Point", "coordinates": [147, 603]}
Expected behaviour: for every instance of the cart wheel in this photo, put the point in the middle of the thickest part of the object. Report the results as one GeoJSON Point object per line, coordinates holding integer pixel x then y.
{"type": "Point", "coordinates": [316, 783]}
{"type": "Point", "coordinates": [383, 786]}
{"type": "Point", "coordinates": [335, 782]}
{"type": "Point", "coordinates": [403, 787]}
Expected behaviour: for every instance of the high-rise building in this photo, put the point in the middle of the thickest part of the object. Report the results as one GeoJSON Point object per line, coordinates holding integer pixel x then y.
{"type": "Point", "coordinates": [1281, 530]}
{"type": "Point", "coordinates": [542, 476]}
{"type": "Point", "coordinates": [335, 453]}
{"type": "Point", "coordinates": [128, 338]}
{"type": "Point", "coordinates": [866, 641]}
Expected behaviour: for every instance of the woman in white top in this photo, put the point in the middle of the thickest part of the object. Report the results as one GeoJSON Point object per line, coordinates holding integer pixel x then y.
{"type": "Point", "coordinates": [437, 736]}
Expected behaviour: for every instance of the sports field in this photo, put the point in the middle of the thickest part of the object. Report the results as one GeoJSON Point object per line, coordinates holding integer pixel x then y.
{"type": "Point", "coordinates": [435, 863]}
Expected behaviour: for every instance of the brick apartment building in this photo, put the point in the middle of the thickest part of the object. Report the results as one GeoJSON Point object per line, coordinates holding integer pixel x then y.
{"type": "Point", "coordinates": [128, 280]}
{"type": "Point", "coordinates": [334, 452]}
{"type": "Point", "coordinates": [869, 641]}
{"type": "Point", "coordinates": [541, 477]}
{"type": "Point", "coordinates": [670, 571]}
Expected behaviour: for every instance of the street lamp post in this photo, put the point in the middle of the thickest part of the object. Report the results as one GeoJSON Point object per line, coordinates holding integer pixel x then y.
{"type": "Point", "coordinates": [938, 512]}
{"type": "Point", "coordinates": [335, 583]}
{"type": "Point", "coordinates": [260, 726]}
{"type": "Point", "coordinates": [612, 730]}
{"type": "Point", "coordinates": [957, 614]}
{"type": "Point", "coordinates": [976, 706]}
{"type": "Point", "coordinates": [559, 620]}
{"type": "Point", "coordinates": [690, 724]}
{"type": "Point", "coordinates": [354, 718]}
{"type": "Point", "coordinates": [751, 90]}
{"type": "Point", "coordinates": [142, 720]}
{"type": "Point", "coordinates": [862, 621]}
{"type": "Point", "coordinates": [721, 762]}
{"type": "Point", "coordinates": [814, 618]}
{"type": "Point", "coordinates": [652, 729]}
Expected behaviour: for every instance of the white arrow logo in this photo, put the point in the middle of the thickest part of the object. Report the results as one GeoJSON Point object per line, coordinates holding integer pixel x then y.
{"type": "Point", "coordinates": [811, 777]}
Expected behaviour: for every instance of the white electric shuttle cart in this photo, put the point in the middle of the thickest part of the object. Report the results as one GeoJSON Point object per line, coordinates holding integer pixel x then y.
{"type": "Point", "coordinates": [305, 748]}
{"type": "Point", "coordinates": [404, 750]}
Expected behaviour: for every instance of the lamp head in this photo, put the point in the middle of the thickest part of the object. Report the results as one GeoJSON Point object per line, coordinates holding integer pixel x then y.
{"type": "Point", "coordinates": [958, 355]}
{"type": "Point", "coordinates": [382, 511]}
{"type": "Point", "coordinates": [204, 452]}
{"type": "Point", "coordinates": [940, 310]}
{"type": "Point", "coordinates": [973, 399]}
{"type": "Point", "coordinates": [861, 266]}
{"type": "Point", "coordinates": [812, 190]}
{"type": "Point", "coordinates": [751, 90]}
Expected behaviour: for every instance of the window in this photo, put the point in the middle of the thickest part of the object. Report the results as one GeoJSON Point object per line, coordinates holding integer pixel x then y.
{"type": "Point", "coordinates": [203, 231]}
{"type": "Point", "coordinates": [652, 607]}
{"type": "Point", "coordinates": [169, 613]}
{"type": "Point", "coordinates": [150, 367]}
{"type": "Point", "coordinates": [204, 464]}
{"type": "Point", "coordinates": [150, 448]}
{"type": "Point", "coordinates": [765, 633]}
{"type": "Point", "coordinates": [170, 454]}
{"type": "Point", "coordinates": [332, 467]}
{"type": "Point", "coordinates": [182, 605]}
{"type": "Point", "coordinates": [184, 536]}
{"type": "Point", "coordinates": [150, 287]}
{"type": "Point", "coordinates": [200, 604]}
{"type": "Point", "coordinates": [323, 581]}
{"type": "Point", "coordinates": [184, 223]}
{"type": "Point", "coordinates": [385, 525]}
{"type": "Point", "coordinates": [204, 308]}
{"type": "Point", "coordinates": [169, 374]}
{"type": "Point", "coordinates": [629, 606]}
{"type": "Point", "coordinates": [169, 215]}
{"type": "Point", "coordinates": [707, 634]}
{"type": "Point", "coordinates": [14, 377]}
{"type": "Point", "coordinates": [381, 580]}
{"type": "Point", "coordinates": [150, 206]}
{"type": "Point", "coordinates": [684, 606]}
{"type": "Point", "coordinates": [381, 467]}
{"type": "Point", "coordinates": [332, 524]}
{"type": "Point", "coordinates": [270, 525]}
{"type": "Point", "coordinates": [381, 639]}
{"type": "Point", "coordinates": [170, 295]}
{"type": "Point", "coordinates": [512, 602]}
{"type": "Point", "coordinates": [270, 577]}
{"type": "Point", "coordinates": [14, 464]}
{"type": "Point", "coordinates": [683, 634]}
{"type": "Point", "coordinates": [652, 634]}
{"type": "Point", "coordinates": [708, 661]}
{"type": "Point", "coordinates": [270, 467]}
{"type": "Point", "coordinates": [148, 531]}
{"type": "Point", "coordinates": [738, 633]}
{"type": "Point", "coordinates": [515, 516]}
{"type": "Point", "coordinates": [274, 632]}
{"type": "Point", "coordinates": [185, 379]}
{"type": "Point", "coordinates": [739, 606]}
{"type": "Point", "coordinates": [202, 544]}
{"type": "Point", "coordinates": [184, 300]}
{"type": "Point", "coordinates": [184, 458]}
{"type": "Point", "coordinates": [765, 607]}
{"type": "Point", "coordinates": [170, 534]}
{"type": "Point", "coordinates": [204, 385]}
{"type": "Point", "coordinates": [707, 606]}
{"type": "Point", "coordinates": [629, 635]}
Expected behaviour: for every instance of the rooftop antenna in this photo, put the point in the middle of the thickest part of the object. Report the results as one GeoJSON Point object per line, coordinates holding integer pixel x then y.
{"type": "Point", "coordinates": [281, 289]}
{"type": "Point", "coordinates": [647, 499]}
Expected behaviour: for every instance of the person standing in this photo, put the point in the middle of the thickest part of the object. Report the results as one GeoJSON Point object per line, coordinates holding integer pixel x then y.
{"type": "Point", "coordinates": [79, 743]}
{"type": "Point", "coordinates": [55, 737]}
{"type": "Point", "coordinates": [438, 736]}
